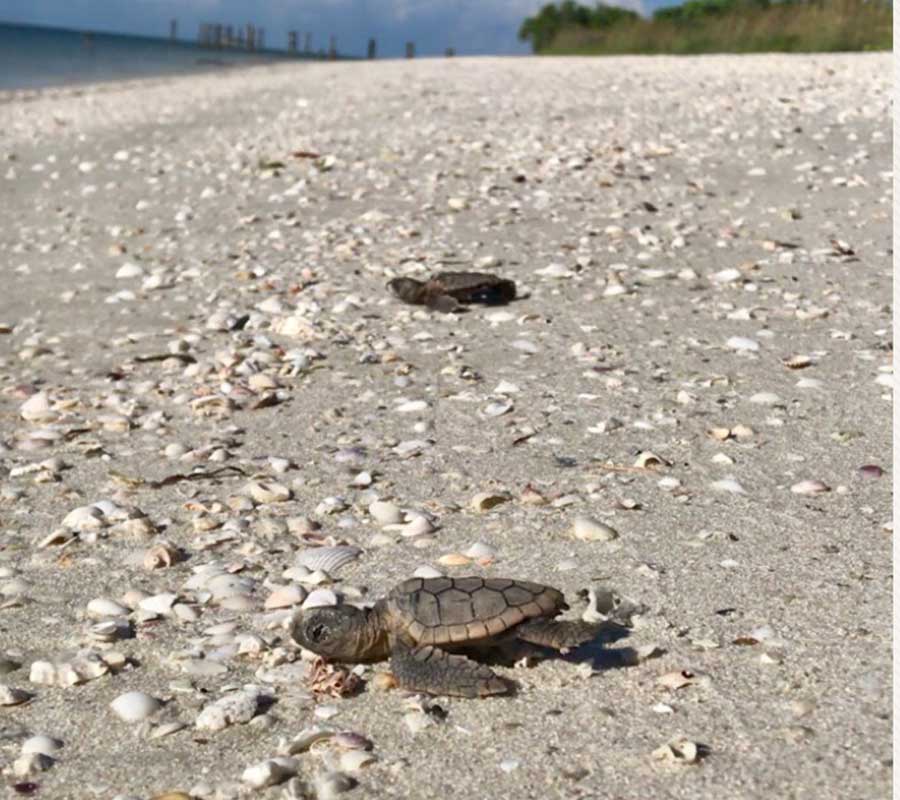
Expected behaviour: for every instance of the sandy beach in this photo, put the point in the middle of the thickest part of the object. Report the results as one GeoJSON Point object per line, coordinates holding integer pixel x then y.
{"type": "Point", "coordinates": [683, 423]}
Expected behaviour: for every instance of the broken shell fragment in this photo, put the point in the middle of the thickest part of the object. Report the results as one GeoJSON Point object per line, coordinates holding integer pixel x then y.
{"type": "Point", "coordinates": [678, 750]}
{"type": "Point", "coordinates": [267, 492]}
{"type": "Point", "coordinates": [810, 487]}
{"type": "Point", "coordinates": [588, 529]}
{"type": "Point", "coordinates": [270, 772]}
{"type": "Point", "coordinates": [485, 501]}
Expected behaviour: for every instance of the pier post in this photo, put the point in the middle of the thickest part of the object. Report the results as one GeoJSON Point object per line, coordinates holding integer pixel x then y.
{"type": "Point", "coordinates": [410, 49]}
{"type": "Point", "coordinates": [372, 49]}
{"type": "Point", "coordinates": [173, 29]}
{"type": "Point", "coordinates": [251, 37]}
{"type": "Point", "coordinates": [292, 41]}
{"type": "Point", "coordinates": [261, 39]}
{"type": "Point", "coordinates": [332, 47]}
{"type": "Point", "coordinates": [307, 43]}
{"type": "Point", "coordinates": [450, 52]}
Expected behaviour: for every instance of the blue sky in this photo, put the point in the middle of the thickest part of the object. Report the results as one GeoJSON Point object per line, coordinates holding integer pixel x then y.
{"type": "Point", "coordinates": [471, 26]}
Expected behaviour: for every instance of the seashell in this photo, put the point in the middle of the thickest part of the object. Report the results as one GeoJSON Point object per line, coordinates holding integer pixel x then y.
{"type": "Point", "coordinates": [485, 501]}
{"type": "Point", "coordinates": [418, 526]}
{"type": "Point", "coordinates": [327, 559]}
{"type": "Point", "coordinates": [481, 552]}
{"type": "Point", "coordinates": [427, 572]}
{"type": "Point", "coordinates": [678, 751]}
{"type": "Point", "coordinates": [109, 630]}
{"type": "Point", "coordinates": [29, 763]}
{"type": "Point", "coordinates": [136, 529]}
{"type": "Point", "coordinates": [385, 513]}
{"type": "Point", "coordinates": [797, 362]}
{"type": "Point", "coordinates": [135, 706]}
{"type": "Point", "coordinates": [166, 729]}
{"type": "Point", "coordinates": [37, 409]}
{"type": "Point", "coordinates": [41, 744]}
{"type": "Point", "coordinates": [158, 603]}
{"type": "Point", "coordinates": [497, 409]}
{"type": "Point", "coordinates": [355, 760]}
{"type": "Point", "coordinates": [412, 407]}
{"type": "Point", "coordinates": [362, 479]}
{"type": "Point", "coordinates": [648, 460]}
{"type": "Point", "coordinates": [58, 538]}
{"type": "Point", "coordinates": [306, 739]}
{"type": "Point", "coordinates": [225, 585]}
{"type": "Point", "coordinates": [870, 471]}
{"type": "Point", "coordinates": [810, 487]}
{"type": "Point", "coordinates": [285, 597]}
{"type": "Point", "coordinates": [270, 772]}
{"type": "Point", "coordinates": [588, 529]}
{"type": "Point", "coordinates": [320, 597]}
{"type": "Point", "coordinates": [233, 708]}
{"type": "Point", "coordinates": [315, 578]}
{"type": "Point", "coordinates": [383, 681]}
{"type": "Point", "coordinates": [267, 492]}
{"type": "Point", "coordinates": [510, 765]}
{"type": "Point", "coordinates": [10, 696]}
{"type": "Point", "coordinates": [742, 344]}
{"type": "Point", "coordinates": [42, 672]}
{"type": "Point", "coordinates": [85, 518]}
{"type": "Point", "coordinates": [416, 721]}
{"type": "Point", "coordinates": [348, 740]}
{"type": "Point", "coordinates": [766, 399]}
{"type": "Point", "coordinates": [532, 497]}
{"type": "Point", "coordinates": [238, 602]}
{"type": "Point", "coordinates": [728, 485]}
{"type": "Point", "coordinates": [676, 680]}
{"type": "Point", "coordinates": [454, 560]}
{"type": "Point", "coordinates": [326, 712]}
{"type": "Point", "coordinates": [162, 554]}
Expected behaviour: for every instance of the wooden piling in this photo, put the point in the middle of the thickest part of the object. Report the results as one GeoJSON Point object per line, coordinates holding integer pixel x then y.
{"type": "Point", "coordinates": [332, 48]}
{"type": "Point", "coordinates": [410, 49]}
{"type": "Point", "coordinates": [373, 48]}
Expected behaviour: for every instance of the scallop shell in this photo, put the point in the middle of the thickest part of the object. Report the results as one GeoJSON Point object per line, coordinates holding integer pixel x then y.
{"type": "Point", "coordinates": [327, 559]}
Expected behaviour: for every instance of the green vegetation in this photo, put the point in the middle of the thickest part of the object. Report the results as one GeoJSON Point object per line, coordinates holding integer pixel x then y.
{"type": "Point", "coordinates": [713, 26]}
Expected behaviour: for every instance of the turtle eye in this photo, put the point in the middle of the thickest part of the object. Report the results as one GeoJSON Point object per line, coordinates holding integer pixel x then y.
{"type": "Point", "coordinates": [316, 632]}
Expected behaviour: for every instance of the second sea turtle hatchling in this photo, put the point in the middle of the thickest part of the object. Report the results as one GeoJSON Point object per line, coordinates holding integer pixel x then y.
{"type": "Point", "coordinates": [426, 626]}
{"type": "Point", "coordinates": [446, 291]}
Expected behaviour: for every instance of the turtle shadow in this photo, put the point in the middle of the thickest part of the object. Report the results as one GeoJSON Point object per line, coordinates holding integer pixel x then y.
{"type": "Point", "coordinates": [594, 652]}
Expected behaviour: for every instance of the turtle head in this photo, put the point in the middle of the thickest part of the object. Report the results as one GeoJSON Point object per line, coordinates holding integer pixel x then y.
{"type": "Point", "coordinates": [338, 633]}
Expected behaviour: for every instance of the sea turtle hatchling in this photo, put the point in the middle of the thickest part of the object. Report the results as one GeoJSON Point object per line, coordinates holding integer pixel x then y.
{"type": "Point", "coordinates": [446, 291]}
{"type": "Point", "coordinates": [427, 625]}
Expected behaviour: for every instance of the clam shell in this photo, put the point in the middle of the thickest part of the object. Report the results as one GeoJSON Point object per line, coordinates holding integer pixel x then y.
{"type": "Point", "coordinates": [327, 559]}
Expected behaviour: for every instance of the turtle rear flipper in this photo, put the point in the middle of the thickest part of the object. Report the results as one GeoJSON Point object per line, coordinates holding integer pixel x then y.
{"type": "Point", "coordinates": [435, 671]}
{"type": "Point", "coordinates": [558, 634]}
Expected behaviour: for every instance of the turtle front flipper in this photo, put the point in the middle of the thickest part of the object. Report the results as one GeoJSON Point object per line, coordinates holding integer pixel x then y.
{"type": "Point", "coordinates": [435, 671]}
{"type": "Point", "coordinates": [558, 634]}
{"type": "Point", "coordinates": [444, 303]}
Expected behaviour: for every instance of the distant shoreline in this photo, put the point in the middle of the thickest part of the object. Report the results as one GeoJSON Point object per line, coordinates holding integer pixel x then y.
{"type": "Point", "coordinates": [42, 57]}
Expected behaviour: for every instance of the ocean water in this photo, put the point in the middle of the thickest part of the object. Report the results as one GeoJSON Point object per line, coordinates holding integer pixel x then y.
{"type": "Point", "coordinates": [33, 57]}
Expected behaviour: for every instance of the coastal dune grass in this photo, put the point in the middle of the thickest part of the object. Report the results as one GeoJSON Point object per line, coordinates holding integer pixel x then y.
{"type": "Point", "coordinates": [828, 26]}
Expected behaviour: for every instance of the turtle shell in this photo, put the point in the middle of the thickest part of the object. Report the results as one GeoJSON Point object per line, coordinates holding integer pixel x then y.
{"type": "Point", "coordinates": [443, 611]}
{"type": "Point", "coordinates": [475, 287]}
